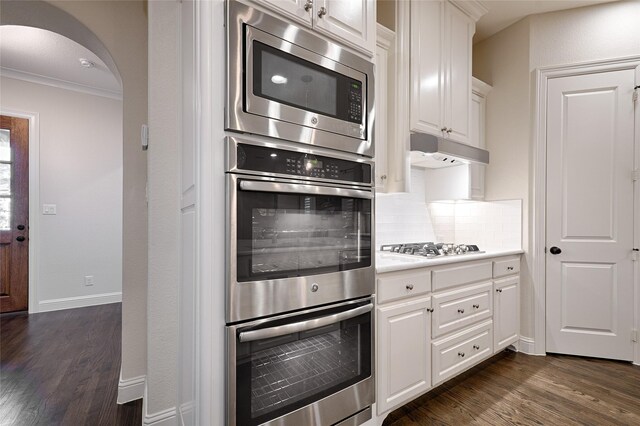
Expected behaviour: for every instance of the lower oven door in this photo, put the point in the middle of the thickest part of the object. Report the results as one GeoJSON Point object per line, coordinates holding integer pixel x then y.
{"type": "Point", "coordinates": [312, 367]}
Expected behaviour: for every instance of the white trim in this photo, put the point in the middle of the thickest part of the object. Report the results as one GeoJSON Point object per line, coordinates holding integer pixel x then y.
{"type": "Point", "coordinates": [166, 417]}
{"type": "Point", "coordinates": [34, 200]}
{"type": "Point", "coordinates": [479, 87]}
{"type": "Point", "coordinates": [130, 389]}
{"type": "Point", "coordinates": [526, 345]}
{"type": "Point", "coordinates": [187, 414]}
{"type": "Point", "coordinates": [539, 99]}
{"type": "Point", "coordinates": [79, 301]}
{"type": "Point", "coordinates": [60, 84]}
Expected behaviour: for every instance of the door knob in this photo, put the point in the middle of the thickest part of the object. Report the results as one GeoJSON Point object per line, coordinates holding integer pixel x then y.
{"type": "Point", "coordinates": [20, 227]}
{"type": "Point", "coordinates": [20, 238]}
{"type": "Point", "coordinates": [555, 250]}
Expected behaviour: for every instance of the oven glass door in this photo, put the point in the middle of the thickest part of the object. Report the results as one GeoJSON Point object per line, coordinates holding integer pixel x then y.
{"type": "Point", "coordinates": [280, 374]}
{"type": "Point", "coordinates": [293, 230]}
{"type": "Point", "coordinates": [290, 83]}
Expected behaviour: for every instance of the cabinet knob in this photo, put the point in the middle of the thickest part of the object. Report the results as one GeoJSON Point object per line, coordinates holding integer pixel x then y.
{"type": "Point", "coordinates": [449, 130]}
{"type": "Point", "coordinates": [499, 290]}
{"type": "Point", "coordinates": [308, 5]}
{"type": "Point", "coordinates": [409, 286]}
{"type": "Point", "coordinates": [383, 177]}
{"type": "Point", "coordinates": [509, 268]}
{"type": "Point", "coordinates": [476, 306]}
{"type": "Point", "coordinates": [476, 347]}
{"type": "Point", "coordinates": [322, 12]}
{"type": "Point", "coordinates": [461, 311]}
{"type": "Point", "coordinates": [429, 309]}
{"type": "Point", "coordinates": [461, 354]}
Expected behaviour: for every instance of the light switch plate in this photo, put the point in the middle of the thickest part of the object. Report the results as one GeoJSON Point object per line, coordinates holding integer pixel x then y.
{"type": "Point", "coordinates": [49, 209]}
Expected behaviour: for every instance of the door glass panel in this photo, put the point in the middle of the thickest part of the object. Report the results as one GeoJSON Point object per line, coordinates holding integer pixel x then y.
{"type": "Point", "coordinates": [5, 179]}
{"type": "Point", "coordinates": [5, 150]}
{"type": "Point", "coordinates": [279, 375]}
{"type": "Point", "coordinates": [5, 214]}
{"type": "Point", "coordinates": [283, 235]}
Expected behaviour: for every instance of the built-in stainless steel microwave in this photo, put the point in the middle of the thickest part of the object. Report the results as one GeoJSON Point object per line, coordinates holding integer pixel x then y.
{"type": "Point", "coordinates": [286, 82]}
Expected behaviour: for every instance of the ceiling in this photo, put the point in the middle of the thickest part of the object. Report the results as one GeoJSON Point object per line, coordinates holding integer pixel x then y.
{"type": "Point", "coordinates": [35, 53]}
{"type": "Point", "coordinates": [503, 13]}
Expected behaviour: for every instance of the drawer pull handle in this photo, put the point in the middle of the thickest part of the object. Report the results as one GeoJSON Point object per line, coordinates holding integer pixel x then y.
{"type": "Point", "coordinates": [461, 311]}
{"type": "Point", "coordinates": [509, 268]}
{"type": "Point", "coordinates": [476, 306]}
{"type": "Point", "coordinates": [499, 290]}
{"type": "Point", "coordinates": [429, 309]}
{"type": "Point", "coordinates": [409, 286]}
{"type": "Point", "coordinates": [476, 347]}
{"type": "Point", "coordinates": [461, 354]}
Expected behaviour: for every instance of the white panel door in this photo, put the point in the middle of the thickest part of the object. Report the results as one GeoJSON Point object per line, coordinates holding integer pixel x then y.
{"type": "Point", "coordinates": [459, 29]}
{"type": "Point", "coordinates": [351, 21]}
{"type": "Point", "coordinates": [404, 356]}
{"type": "Point", "coordinates": [590, 137]}
{"type": "Point", "coordinates": [298, 10]}
{"type": "Point", "coordinates": [427, 79]}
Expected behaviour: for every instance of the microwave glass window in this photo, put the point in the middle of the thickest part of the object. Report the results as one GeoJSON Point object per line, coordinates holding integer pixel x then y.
{"type": "Point", "coordinates": [289, 80]}
{"type": "Point", "coordinates": [289, 235]}
{"type": "Point", "coordinates": [281, 374]}
{"type": "Point", "coordinates": [297, 84]}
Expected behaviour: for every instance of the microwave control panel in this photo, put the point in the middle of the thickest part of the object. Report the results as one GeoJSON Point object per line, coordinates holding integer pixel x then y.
{"type": "Point", "coordinates": [284, 162]}
{"type": "Point", "coordinates": [355, 102]}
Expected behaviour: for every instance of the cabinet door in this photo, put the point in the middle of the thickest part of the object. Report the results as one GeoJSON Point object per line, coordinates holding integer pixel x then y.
{"type": "Point", "coordinates": [383, 107]}
{"type": "Point", "coordinates": [292, 9]}
{"type": "Point", "coordinates": [459, 29]}
{"type": "Point", "coordinates": [351, 21]}
{"type": "Point", "coordinates": [427, 80]}
{"type": "Point", "coordinates": [506, 313]}
{"type": "Point", "coordinates": [404, 357]}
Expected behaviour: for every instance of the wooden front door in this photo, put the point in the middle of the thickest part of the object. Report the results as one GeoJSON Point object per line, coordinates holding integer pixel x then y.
{"type": "Point", "coordinates": [14, 214]}
{"type": "Point", "coordinates": [590, 138]}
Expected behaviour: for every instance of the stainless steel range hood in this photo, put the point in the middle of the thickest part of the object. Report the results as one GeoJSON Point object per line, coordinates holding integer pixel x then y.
{"type": "Point", "coordinates": [433, 152]}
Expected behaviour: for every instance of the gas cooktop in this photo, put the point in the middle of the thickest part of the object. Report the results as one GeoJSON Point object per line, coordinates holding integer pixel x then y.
{"type": "Point", "coordinates": [431, 249]}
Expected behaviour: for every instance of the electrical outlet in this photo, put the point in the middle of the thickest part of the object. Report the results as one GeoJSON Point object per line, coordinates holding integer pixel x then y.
{"type": "Point", "coordinates": [88, 280]}
{"type": "Point", "coordinates": [49, 209]}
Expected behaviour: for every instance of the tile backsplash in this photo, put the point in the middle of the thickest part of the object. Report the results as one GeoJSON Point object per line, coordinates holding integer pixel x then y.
{"type": "Point", "coordinates": [406, 217]}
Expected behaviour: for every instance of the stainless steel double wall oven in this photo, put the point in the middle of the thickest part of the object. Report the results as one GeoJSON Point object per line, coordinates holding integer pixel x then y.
{"type": "Point", "coordinates": [300, 221]}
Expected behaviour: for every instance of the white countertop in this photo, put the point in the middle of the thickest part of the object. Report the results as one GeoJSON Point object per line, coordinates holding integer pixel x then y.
{"type": "Point", "coordinates": [388, 262]}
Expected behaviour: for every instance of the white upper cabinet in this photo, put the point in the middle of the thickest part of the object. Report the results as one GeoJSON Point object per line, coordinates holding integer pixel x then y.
{"type": "Point", "coordinates": [478, 120]}
{"type": "Point", "coordinates": [441, 46]}
{"type": "Point", "coordinates": [352, 22]}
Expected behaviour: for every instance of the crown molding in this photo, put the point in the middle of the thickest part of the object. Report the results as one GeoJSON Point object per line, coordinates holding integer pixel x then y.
{"type": "Point", "coordinates": [60, 84]}
{"type": "Point", "coordinates": [475, 9]}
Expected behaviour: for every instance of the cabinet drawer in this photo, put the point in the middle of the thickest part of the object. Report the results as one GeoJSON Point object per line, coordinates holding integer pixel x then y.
{"type": "Point", "coordinates": [397, 285]}
{"type": "Point", "coordinates": [454, 354]}
{"type": "Point", "coordinates": [457, 309]}
{"type": "Point", "coordinates": [506, 267]}
{"type": "Point", "coordinates": [461, 274]}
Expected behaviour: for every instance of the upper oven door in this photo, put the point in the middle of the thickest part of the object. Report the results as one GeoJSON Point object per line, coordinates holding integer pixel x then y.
{"type": "Point", "coordinates": [293, 244]}
{"type": "Point", "coordinates": [286, 82]}
{"type": "Point", "coordinates": [291, 84]}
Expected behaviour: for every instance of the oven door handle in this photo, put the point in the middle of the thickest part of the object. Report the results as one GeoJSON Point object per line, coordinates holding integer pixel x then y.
{"type": "Point", "coordinates": [266, 333]}
{"type": "Point", "coordinates": [252, 185]}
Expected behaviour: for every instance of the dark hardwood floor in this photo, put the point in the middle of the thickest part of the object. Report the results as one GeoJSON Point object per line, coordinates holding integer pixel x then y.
{"type": "Point", "coordinates": [516, 389]}
{"type": "Point", "coordinates": [62, 368]}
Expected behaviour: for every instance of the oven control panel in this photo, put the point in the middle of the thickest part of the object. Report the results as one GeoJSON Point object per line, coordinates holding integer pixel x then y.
{"type": "Point", "coordinates": [295, 164]}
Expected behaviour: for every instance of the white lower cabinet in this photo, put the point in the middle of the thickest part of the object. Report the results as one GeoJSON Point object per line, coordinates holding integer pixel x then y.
{"type": "Point", "coordinates": [404, 355]}
{"type": "Point", "coordinates": [454, 354]}
{"type": "Point", "coordinates": [506, 312]}
{"type": "Point", "coordinates": [470, 309]}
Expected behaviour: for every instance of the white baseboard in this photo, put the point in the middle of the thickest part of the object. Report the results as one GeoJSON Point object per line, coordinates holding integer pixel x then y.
{"type": "Point", "coordinates": [527, 345]}
{"type": "Point", "coordinates": [130, 389]}
{"type": "Point", "coordinates": [166, 417]}
{"type": "Point", "coordinates": [79, 301]}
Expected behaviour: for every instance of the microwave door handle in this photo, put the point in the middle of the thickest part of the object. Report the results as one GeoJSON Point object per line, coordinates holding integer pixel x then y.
{"type": "Point", "coordinates": [266, 333]}
{"type": "Point", "coordinates": [252, 185]}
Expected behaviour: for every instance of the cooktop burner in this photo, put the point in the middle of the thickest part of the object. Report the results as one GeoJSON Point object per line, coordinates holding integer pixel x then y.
{"type": "Point", "coordinates": [431, 249]}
